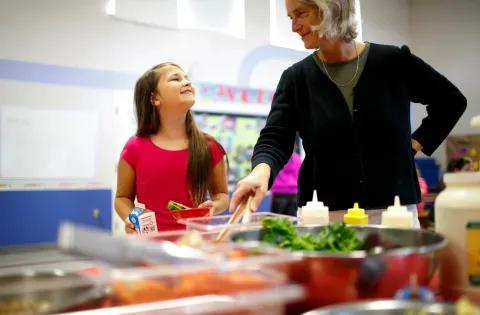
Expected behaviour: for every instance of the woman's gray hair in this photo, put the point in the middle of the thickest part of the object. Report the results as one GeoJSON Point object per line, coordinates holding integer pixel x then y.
{"type": "Point", "coordinates": [337, 19]}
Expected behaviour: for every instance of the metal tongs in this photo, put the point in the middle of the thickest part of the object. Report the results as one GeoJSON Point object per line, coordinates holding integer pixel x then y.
{"type": "Point", "coordinates": [242, 212]}
{"type": "Point", "coordinates": [127, 250]}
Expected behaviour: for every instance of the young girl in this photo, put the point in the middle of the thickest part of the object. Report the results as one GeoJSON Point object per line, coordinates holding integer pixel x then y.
{"type": "Point", "coordinates": [169, 158]}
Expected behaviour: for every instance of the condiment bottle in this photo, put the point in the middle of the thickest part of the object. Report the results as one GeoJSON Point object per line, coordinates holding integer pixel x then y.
{"type": "Point", "coordinates": [397, 215]}
{"type": "Point", "coordinates": [457, 217]}
{"type": "Point", "coordinates": [355, 215]}
{"type": "Point", "coordinates": [314, 212]}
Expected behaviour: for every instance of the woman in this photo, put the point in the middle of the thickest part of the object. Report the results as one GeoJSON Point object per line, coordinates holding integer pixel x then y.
{"type": "Point", "coordinates": [350, 103]}
{"type": "Point", "coordinates": [284, 189]}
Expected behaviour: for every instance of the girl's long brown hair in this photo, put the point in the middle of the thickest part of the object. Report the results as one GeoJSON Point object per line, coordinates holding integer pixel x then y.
{"type": "Point", "coordinates": [199, 165]}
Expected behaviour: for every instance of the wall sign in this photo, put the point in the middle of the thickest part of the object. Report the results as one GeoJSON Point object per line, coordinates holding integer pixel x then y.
{"type": "Point", "coordinates": [226, 93]}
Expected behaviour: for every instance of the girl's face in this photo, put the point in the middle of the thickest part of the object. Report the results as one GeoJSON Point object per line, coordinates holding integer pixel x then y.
{"type": "Point", "coordinates": [175, 92]}
{"type": "Point", "coordinates": [303, 17]}
{"type": "Point", "coordinates": [467, 168]}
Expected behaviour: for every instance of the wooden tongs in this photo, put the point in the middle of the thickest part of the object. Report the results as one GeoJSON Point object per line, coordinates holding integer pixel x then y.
{"type": "Point", "coordinates": [242, 212]}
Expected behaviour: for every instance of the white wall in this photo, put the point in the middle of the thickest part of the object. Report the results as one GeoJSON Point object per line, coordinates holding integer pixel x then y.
{"type": "Point", "coordinates": [386, 22]}
{"type": "Point", "coordinates": [446, 34]}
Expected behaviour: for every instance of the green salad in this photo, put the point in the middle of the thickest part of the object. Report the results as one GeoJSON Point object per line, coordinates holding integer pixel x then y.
{"type": "Point", "coordinates": [335, 237]}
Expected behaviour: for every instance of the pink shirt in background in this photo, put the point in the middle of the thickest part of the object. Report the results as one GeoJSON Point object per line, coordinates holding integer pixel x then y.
{"type": "Point", "coordinates": [423, 191]}
{"type": "Point", "coordinates": [160, 176]}
{"type": "Point", "coordinates": [286, 180]}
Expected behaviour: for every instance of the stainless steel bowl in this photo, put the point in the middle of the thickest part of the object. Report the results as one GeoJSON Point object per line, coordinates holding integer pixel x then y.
{"type": "Point", "coordinates": [388, 307]}
{"type": "Point", "coordinates": [334, 278]}
{"type": "Point", "coordinates": [48, 292]}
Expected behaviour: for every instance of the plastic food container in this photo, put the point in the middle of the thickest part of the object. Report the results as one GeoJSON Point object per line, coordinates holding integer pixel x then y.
{"type": "Point", "coordinates": [265, 302]}
{"type": "Point", "coordinates": [227, 289]}
{"type": "Point", "coordinates": [270, 256]}
{"type": "Point", "coordinates": [217, 223]}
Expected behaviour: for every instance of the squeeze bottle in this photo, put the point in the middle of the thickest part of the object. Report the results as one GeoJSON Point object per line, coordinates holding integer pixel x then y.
{"type": "Point", "coordinates": [314, 212]}
{"type": "Point", "coordinates": [397, 215]}
{"type": "Point", "coordinates": [355, 215]}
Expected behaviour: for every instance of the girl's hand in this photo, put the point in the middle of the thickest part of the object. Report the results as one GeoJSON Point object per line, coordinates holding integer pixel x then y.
{"type": "Point", "coordinates": [208, 204]}
{"type": "Point", "coordinates": [129, 228]}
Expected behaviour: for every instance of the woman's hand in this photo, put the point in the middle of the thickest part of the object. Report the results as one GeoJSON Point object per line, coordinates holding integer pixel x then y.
{"type": "Point", "coordinates": [129, 228]}
{"type": "Point", "coordinates": [256, 182]}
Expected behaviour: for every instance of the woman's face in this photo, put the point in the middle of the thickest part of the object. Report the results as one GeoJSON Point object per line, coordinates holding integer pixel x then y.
{"type": "Point", "coordinates": [303, 17]}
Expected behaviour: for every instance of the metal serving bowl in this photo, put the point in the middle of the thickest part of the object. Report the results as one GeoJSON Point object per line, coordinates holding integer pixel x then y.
{"type": "Point", "coordinates": [48, 292]}
{"type": "Point", "coordinates": [333, 278]}
{"type": "Point", "coordinates": [388, 307]}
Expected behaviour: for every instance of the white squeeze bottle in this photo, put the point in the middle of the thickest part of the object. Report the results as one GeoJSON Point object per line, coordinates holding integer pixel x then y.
{"type": "Point", "coordinates": [397, 215]}
{"type": "Point", "coordinates": [314, 212]}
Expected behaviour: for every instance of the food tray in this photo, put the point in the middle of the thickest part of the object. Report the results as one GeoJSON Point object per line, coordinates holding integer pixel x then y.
{"type": "Point", "coordinates": [217, 223]}
{"type": "Point", "coordinates": [233, 252]}
{"type": "Point", "coordinates": [200, 289]}
{"type": "Point", "coordinates": [260, 302]}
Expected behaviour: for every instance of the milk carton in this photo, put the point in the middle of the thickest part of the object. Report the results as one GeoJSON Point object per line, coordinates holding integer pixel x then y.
{"type": "Point", "coordinates": [143, 221]}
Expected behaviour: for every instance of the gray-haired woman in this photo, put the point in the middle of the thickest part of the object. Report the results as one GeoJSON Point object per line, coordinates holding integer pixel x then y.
{"type": "Point", "coordinates": [350, 103]}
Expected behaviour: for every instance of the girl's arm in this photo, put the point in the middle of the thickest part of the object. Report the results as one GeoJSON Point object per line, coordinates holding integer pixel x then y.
{"type": "Point", "coordinates": [125, 196]}
{"type": "Point", "coordinates": [218, 188]}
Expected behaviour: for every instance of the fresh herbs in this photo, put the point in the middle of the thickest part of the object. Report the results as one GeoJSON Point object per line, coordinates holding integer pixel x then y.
{"type": "Point", "coordinates": [335, 237]}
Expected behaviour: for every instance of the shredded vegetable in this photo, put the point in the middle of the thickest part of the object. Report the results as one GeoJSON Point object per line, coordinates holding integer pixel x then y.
{"type": "Point", "coordinates": [335, 237]}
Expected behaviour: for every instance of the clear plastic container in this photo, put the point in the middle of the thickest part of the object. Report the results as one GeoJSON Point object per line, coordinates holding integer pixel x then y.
{"type": "Point", "coordinates": [266, 255]}
{"type": "Point", "coordinates": [200, 289]}
{"type": "Point", "coordinates": [217, 223]}
{"type": "Point", "coordinates": [262, 302]}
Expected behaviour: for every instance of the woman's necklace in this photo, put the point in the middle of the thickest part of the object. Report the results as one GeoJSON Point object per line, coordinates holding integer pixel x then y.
{"type": "Point", "coordinates": [356, 71]}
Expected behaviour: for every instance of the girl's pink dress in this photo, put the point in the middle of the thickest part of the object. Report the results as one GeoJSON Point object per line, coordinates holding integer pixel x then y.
{"type": "Point", "coordinates": [423, 191]}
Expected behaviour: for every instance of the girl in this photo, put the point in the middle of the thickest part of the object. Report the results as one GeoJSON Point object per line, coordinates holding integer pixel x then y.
{"type": "Point", "coordinates": [169, 158]}
{"type": "Point", "coordinates": [423, 190]}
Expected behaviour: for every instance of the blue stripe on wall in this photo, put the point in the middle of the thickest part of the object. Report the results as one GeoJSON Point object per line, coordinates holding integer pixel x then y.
{"type": "Point", "coordinates": [52, 74]}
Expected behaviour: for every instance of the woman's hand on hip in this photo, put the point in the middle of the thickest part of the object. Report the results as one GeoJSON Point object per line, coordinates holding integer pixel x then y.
{"type": "Point", "coordinates": [255, 183]}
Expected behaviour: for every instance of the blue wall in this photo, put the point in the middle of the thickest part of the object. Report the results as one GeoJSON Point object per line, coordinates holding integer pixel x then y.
{"type": "Point", "coordinates": [34, 216]}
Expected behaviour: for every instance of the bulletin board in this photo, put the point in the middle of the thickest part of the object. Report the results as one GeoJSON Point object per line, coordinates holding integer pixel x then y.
{"type": "Point", "coordinates": [464, 146]}
{"type": "Point", "coordinates": [237, 134]}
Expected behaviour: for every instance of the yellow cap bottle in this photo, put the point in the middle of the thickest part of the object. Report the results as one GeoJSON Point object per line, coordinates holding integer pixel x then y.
{"type": "Point", "coordinates": [355, 215]}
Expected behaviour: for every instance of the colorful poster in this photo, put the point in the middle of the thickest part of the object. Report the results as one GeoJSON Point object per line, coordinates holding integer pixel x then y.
{"type": "Point", "coordinates": [225, 93]}
{"type": "Point", "coordinates": [464, 146]}
{"type": "Point", "coordinates": [237, 134]}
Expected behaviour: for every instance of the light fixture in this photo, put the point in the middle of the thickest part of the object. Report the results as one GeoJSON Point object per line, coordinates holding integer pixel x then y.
{"type": "Point", "coordinates": [110, 8]}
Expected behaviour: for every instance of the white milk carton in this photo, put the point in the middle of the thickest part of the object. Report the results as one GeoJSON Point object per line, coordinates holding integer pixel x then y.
{"type": "Point", "coordinates": [143, 220]}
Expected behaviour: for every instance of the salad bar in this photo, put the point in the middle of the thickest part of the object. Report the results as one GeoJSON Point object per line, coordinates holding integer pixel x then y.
{"type": "Point", "coordinates": [266, 264]}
